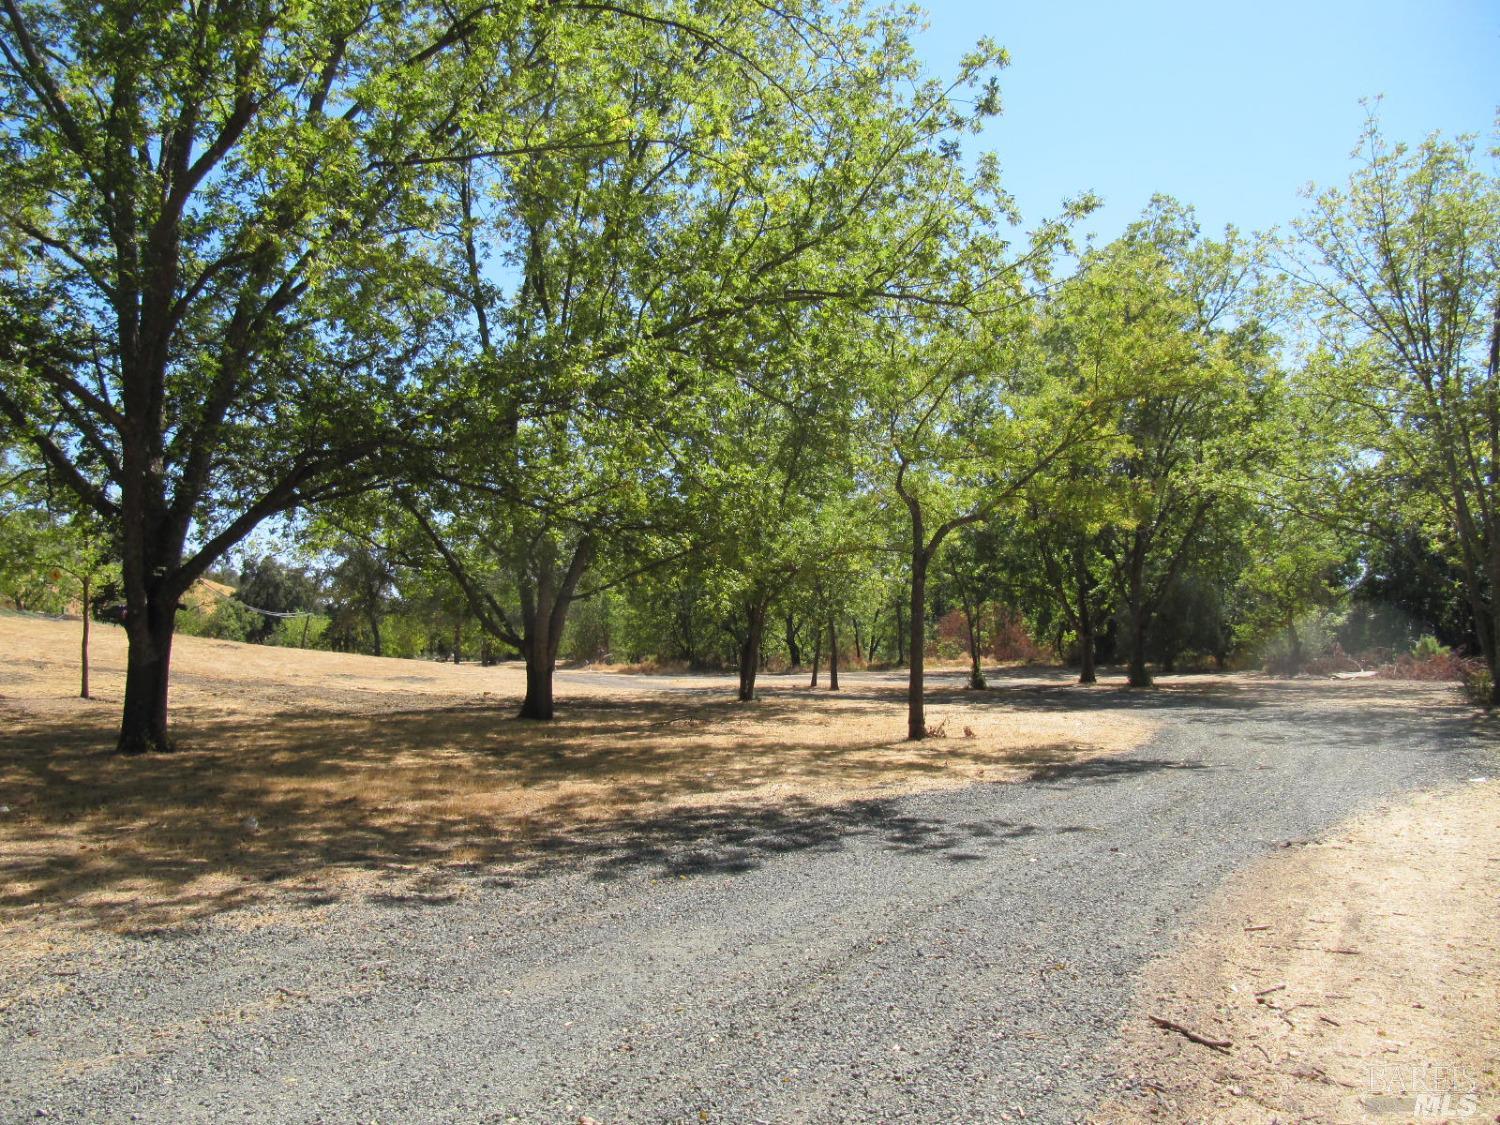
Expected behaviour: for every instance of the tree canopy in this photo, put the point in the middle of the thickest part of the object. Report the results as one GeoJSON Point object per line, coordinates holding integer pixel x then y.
{"type": "Point", "coordinates": [701, 316]}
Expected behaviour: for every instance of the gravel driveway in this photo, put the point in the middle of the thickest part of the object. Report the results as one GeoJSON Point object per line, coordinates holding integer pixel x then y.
{"type": "Point", "coordinates": [956, 956]}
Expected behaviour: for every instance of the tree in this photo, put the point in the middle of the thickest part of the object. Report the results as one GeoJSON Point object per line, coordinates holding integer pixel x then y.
{"type": "Point", "coordinates": [967, 423]}
{"type": "Point", "coordinates": [278, 590]}
{"type": "Point", "coordinates": [79, 551]}
{"type": "Point", "coordinates": [972, 573]}
{"type": "Point", "coordinates": [1290, 566]}
{"type": "Point", "coordinates": [1402, 267]}
{"type": "Point", "coordinates": [50, 556]}
{"type": "Point", "coordinates": [731, 189]}
{"type": "Point", "coordinates": [216, 305]}
{"type": "Point", "coordinates": [1161, 325]}
{"type": "Point", "coordinates": [360, 586]}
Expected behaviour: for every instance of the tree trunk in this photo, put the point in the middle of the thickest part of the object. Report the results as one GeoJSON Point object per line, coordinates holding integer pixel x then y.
{"type": "Point", "coordinates": [539, 667]}
{"type": "Point", "coordinates": [900, 635]}
{"type": "Point", "coordinates": [817, 655]}
{"type": "Point", "coordinates": [1087, 673]}
{"type": "Point", "coordinates": [1086, 670]}
{"type": "Point", "coordinates": [793, 652]}
{"type": "Point", "coordinates": [83, 664]}
{"type": "Point", "coordinates": [143, 722]}
{"type": "Point", "coordinates": [458, 639]}
{"type": "Point", "coordinates": [750, 651]}
{"type": "Point", "coordinates": [977, 682]}
{"type": "Point", "coordinates": [545, 601]}
{"type": "Point", "coordinates": [916, 718]}
{"type": "Point", "coordinates": [1139, 674]}
{"type": "Point", "coordinates": [833, 655]}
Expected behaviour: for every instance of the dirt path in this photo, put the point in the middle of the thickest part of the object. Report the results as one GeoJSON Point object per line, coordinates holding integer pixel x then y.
{"type": "Point", "coordinates": [1356, 979]}
{"type": "Point", "coordinates": [954, 954]}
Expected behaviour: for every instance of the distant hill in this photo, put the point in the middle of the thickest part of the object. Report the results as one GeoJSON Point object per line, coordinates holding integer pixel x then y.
{"type": "Point", "coordinates": [204, 594]}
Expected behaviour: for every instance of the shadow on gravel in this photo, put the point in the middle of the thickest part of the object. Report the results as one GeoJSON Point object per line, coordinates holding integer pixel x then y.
{"type": "Point", "coordinates": [1097, 771]}
{"type": "Point", "coordinates": [732, 839]}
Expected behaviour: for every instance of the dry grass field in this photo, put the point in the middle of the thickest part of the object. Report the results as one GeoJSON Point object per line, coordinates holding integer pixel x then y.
{"type": "Point", "coordinates": [313, 774]}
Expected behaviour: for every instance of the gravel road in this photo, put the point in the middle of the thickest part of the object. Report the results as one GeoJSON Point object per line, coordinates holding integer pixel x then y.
{"type": "Point", "coordinates": [956, 956]}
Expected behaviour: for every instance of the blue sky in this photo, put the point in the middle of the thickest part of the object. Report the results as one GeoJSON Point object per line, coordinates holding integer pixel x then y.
{"type": "Point", "coordinates": [1229, 107]}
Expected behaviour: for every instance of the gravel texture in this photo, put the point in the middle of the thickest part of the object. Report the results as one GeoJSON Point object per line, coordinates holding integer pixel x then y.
{"type": "Point", "coordinates": [955, 956]}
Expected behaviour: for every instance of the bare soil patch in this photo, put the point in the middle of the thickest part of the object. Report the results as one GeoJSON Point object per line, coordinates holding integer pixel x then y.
{"type": "Point", "coordinates": [1355, 979]}
{"type": "Point", "coordinates": [315, 773]}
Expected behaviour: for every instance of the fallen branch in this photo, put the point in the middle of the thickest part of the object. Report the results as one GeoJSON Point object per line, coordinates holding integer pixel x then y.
{"type": "Point", "coordinates": [1273, 988]}
{"type": "Point", "coordinates": [1253, 929]}
{"type": "Point", "coordinates": [1346, 952]}
{"type": "Point", "coordinates": [1221, 1045]}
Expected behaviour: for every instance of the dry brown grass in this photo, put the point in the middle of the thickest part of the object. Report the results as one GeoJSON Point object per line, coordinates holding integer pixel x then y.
{"type": "Point", "coordinates": [308, 770]}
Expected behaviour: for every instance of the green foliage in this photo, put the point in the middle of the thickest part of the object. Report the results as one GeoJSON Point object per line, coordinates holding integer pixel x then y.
{"type": "Point", "coordinates": [1400, 272]}
{"type": "Point", "coordinates": [1479, 686]}
{"type": "Point", "coordinates": [224, 620]}
{"type": "Point", "coordinates": [1428, 647]}
{"type": "Point", "coordinates": [688, 333]}
{"type": "Point", "coordinates": [303, 631]}
{"type": "Point", "coordinates": [268, 583]}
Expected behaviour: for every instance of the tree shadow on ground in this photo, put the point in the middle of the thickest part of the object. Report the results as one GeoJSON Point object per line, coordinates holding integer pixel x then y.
{"type": "Point", "coordinates": [296, 803]}
{"type": "Point", "coordinates": [405, 807]}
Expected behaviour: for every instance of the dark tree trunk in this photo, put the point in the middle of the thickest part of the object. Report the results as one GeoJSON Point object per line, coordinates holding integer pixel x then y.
{"type": "Point", "coordinates": [793, 651]}
{"type": "Point", "coordinates": [143, 722]}
{"type": "Point", "coordinates": [1088, 672]}
{"type": "Point", "coordinates": [977, 682]}
{"type": "Point", "coordinates": [900, 635]}
{"type": "Point", "coordinates": [83, 663]}
{"type": "Point", "coordinates": [833, 655]}
{"type": "Point", "coordinates": [458, 639]}
{"type": "Point", "coordinates": [545, 601]}
{"type": "Point", "coordinates": [976, 670]}
{"type": "Point", "coordinates": [539, 649]}
{"type": "Point", "coordinates": [916, 718]}
{"type": "Point", "coordinates": [750, 651]}
{"type": "Point", "coordinates": [859, 640]}
{"type": "Point", "coordinates": [540, 663]}
{"type": "Point", "coordinates": [1086, 641]}
{"type": "Point", "coordinates": [1138, 674]}
{"type": "Point", "coordinates": [372, 618]}
{"type": "Point", "coordinates": [817, 655]}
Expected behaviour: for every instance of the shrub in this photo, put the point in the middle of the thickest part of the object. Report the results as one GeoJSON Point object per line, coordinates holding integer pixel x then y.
{"type": "Point", "coordinates": [1441, 667]}
{"type": "Point", "coordinates": [1428, 647]}
{"type": "Point", "coordinates": [227, 620]}
{"type": "Point", "coordinates": [1477, 684]}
